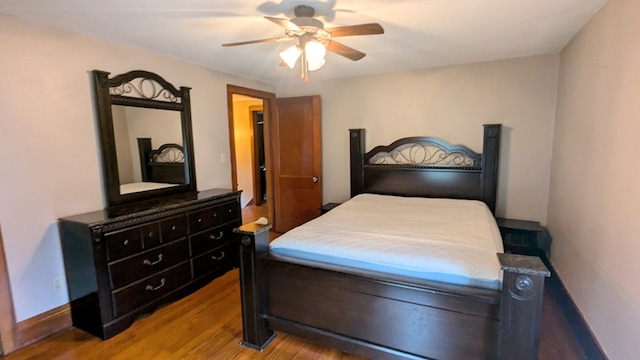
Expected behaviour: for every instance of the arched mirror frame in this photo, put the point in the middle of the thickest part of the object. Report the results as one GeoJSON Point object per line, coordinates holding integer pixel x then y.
{"type": "Point", "coordinates": [168, 98]}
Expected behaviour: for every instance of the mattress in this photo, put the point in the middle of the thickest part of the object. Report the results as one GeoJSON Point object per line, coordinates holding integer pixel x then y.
{"type": "Point", "coordinates": [445, 240]}
{"type": "Point", "coordinates": [142, 186]}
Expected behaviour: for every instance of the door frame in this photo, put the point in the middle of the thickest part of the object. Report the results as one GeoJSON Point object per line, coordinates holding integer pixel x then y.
{"type": "Point", "coordinates": [268, 104]}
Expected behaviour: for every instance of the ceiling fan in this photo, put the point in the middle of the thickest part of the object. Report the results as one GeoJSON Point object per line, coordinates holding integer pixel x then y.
{"type": "Point", "coordinates": [313, 40]}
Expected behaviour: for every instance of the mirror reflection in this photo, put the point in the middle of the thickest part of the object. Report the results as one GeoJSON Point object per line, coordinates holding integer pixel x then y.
{"type": "Point", "coordinates": [145, 138]}
{"type": "Point", "coordinates": [149, 148]}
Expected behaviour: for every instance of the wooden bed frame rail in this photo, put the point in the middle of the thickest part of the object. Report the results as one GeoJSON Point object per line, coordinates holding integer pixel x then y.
{"type": "Point", "coordinates": [381, 316]}
{"type": "Point", "coordinates": [384, 318]}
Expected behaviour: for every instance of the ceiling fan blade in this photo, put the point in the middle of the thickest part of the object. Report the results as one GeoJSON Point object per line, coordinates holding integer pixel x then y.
{"type": "Point", "coordinates": [279, 39]}
{"type": "Point", "coordinates": [363, 29]}
{"type": "Point", "coordinates": [285, 23]}
{"type": "Point", "coordinates": [345, 51]}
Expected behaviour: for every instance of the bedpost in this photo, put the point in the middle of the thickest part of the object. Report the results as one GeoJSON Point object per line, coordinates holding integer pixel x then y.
{"type": "Point", "coordinates": [253, 242]}
{"type": "Point", "coordinates": [521, 306]}
{"type": "Point", "coordinates": [356, 152]}
{"type": "Point", "coordinates": [490, 157]}
{"type": "Point", "coordinates": [144, 148]}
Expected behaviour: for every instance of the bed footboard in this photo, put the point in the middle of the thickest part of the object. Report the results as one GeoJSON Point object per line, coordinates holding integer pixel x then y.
{"type": "Point", "coordinates": [388, 319]}
{"type": "Point", "coordinates": [521, 305]}
{"type": "Point", "coordinates": [254, 241]}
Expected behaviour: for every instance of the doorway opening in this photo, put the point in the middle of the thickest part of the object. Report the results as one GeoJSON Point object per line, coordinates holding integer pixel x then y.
{"type": "Point", "coordinates": [249, 112]}
{"type": "Point", "coordinates": [260, 165]}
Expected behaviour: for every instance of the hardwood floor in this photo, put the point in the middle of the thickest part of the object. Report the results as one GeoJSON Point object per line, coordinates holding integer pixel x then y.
{"type": "Point", "coordinates": [251, 213]}
{"type": "Point", "coordinates": [207, 325]}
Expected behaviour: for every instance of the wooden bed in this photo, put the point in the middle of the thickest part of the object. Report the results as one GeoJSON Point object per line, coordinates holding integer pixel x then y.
{"type": "Point", "coordinates": [387, 317]}
{"type": "Point", "coordinates": [162, 165]}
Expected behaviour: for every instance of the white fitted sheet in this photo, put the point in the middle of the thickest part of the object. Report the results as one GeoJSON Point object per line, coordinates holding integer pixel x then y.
{"type": "Point", "coordinates": [447, 240]}
{"type": "Point", "coordinates": [142, 186]}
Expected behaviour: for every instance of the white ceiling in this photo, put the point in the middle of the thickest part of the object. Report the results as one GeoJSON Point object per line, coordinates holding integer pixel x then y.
{"type": "Point", "coordinates": [418, 33]}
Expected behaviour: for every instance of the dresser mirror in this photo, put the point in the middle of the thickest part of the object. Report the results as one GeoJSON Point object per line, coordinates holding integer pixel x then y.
{"type": "Point", "coordinates": [145, 138]}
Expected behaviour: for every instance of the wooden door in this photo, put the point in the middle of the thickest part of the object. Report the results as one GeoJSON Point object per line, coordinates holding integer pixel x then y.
{"type": "Point", "coordinates": [297, 161]}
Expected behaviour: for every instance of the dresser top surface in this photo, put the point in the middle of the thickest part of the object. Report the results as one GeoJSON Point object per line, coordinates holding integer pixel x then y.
{"type": "Point", "coordinates": [101, 216]}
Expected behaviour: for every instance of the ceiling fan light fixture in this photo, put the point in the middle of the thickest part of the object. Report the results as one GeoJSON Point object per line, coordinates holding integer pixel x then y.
{"type": "Point", "coordinates": [313, 40]}
{"type": "Point", "coordinates": [313, 66]}
{"type": "Point", "coordinates": [291, 55]}
{"type": "Point", "coordinates": [314, 51]}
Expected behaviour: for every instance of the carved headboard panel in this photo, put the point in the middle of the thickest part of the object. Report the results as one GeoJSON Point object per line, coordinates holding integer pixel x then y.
{"type": "Point", "coordinates": [426, 167]}
{"type": "Point", "coordinates": [423, 151]}
{"type": "Point", "coordinates": [163, 165]}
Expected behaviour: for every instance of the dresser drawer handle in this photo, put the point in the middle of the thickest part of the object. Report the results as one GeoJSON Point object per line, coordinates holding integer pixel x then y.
{"type": "Point", "coordinates": [126, 242]}
{"type": "Point", "coordinates": [151, 288]}
{"type": "Point", "coordinates": [150, 234]}
{"type": "Point", "coordinates": [213, 257]}
{"type": "Point", "coordinates": [199, 220]}
{"type": "Point", "coordinates": [173, 228]}
{"type": "Point", "coordinates": [230, 210]}
{"type": "Point", "coordinates": [147, 262]}
{"type": "Point", "coordinates": [213, 237]}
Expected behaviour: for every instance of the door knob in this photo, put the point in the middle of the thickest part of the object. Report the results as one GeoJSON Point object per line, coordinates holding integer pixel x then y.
{"type": "Point", "coordinates": [315, 179]}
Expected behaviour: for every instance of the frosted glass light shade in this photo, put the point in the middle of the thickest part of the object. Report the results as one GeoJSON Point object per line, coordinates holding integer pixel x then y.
{"type": "Point", "coordinates": [314, 52]}
{"type": "Point", "coordinates": [291, 55]}
{"type": "Point", "coordinates": [313, 66]}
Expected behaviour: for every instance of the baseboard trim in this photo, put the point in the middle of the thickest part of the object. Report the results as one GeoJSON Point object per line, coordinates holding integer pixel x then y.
{"type": "Point", "coordinates": [580, 328]}
{"type": "Point", "coordinates": [41, 326]}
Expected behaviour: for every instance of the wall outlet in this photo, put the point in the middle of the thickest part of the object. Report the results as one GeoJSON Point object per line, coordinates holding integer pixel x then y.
{"type": "Point", "coordinates": [223, 157]}
{"type": "Point", "coordinates": [57, 283]}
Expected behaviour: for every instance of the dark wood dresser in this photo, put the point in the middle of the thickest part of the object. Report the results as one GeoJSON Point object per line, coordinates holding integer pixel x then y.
{"type": "Point", "coordinates": [119, 267]}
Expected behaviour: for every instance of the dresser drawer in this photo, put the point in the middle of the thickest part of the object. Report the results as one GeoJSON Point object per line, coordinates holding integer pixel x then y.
{"type": "Point", "coordinates": [140, 266]}
{"type": "Point", "coordinates": [150, 235]}
{"type": "Point", "coordinates": [210, 239]}
{"type": "Point", "coordinates": [217, 215]}
{"type": "Point", "coordinates": [143, 292]}
{"type": "Point", "coordinates": [173, 228]}
{"type": "Point", "coordinates": [122, 243]}
{"type": "Point", "coordinates": [214, 259]}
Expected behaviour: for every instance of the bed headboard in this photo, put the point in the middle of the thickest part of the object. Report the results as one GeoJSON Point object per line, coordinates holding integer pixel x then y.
{"type": "Point", "coordinates": [163, 165]}
{"type": "Point", "coordinates": [426, 167]}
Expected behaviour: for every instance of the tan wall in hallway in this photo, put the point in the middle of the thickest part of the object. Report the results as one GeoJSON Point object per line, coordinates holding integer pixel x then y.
{"type": "Point", "coordinates": [243, 134]}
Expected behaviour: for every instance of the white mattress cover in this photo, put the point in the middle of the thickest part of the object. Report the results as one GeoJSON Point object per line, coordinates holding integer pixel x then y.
{"type": "Point", "coordinates": [142, 186]}
{"type": "Point", "coordinates": [453, 241]}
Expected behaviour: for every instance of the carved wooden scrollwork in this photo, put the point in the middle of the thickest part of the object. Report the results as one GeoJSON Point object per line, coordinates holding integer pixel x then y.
{"type": "Point", "coordinates": [421, 154]}
{"type": "Point", "coordinates": [144, 88]}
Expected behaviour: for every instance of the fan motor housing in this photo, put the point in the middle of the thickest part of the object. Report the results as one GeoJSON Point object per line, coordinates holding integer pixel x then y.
{"type": "Point", "coordinates": [308, 22]}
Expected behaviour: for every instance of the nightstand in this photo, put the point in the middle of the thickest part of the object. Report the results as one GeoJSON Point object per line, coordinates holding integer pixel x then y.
{"type": "Point", "coordinates": [328, 206]}
{"type": "Point", "coordinates": [525, 237]}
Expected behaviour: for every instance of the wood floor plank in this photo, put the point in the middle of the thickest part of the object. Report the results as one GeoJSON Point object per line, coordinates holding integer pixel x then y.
{"type": "Point", "coordinates": [207, 325]}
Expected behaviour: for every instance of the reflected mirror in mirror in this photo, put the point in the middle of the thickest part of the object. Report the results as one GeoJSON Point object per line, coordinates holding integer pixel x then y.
{"type": "Point", "coordinates": [149, 148]}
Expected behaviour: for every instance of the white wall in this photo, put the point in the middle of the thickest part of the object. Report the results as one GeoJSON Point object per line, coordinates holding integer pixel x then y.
{"type": "Point", "coordinates": [50, 163]}
{"type": "Point", "coordinates": [594, 199]}
{"type": "Point", "coordinates": [451, 103]}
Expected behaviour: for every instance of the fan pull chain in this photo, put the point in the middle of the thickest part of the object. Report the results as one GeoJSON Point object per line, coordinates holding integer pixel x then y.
{"type": "Point", "coordinates": [303, 64]}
